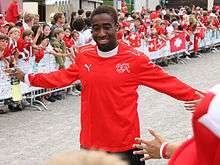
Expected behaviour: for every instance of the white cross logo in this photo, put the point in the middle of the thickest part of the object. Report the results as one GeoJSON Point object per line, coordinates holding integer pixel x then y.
{"type": "Point", "coordinates": [178, 42]}
{"type": "Point", "coordinates": [151, 45]}
{"type": "Point", "coordinates": [133, 36]}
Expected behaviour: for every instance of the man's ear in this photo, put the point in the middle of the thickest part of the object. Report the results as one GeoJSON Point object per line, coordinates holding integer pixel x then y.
{"type": "Point", "coordinates": [117, 26]}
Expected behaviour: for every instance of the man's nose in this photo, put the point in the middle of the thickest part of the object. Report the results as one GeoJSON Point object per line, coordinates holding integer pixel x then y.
{"type": "Point", "coordinates": [102, 32]}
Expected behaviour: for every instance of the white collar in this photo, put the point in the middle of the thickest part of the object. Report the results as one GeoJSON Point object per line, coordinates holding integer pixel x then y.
{"type": "Point", "coordinates": [110, 53]}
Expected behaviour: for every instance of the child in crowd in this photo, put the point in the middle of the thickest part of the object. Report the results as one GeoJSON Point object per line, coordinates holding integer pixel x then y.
{"type": "Point", "coordinates": [59, 46]}
{"type": "Point", "coordinates": [39, 54]}
{"type": "Point", "coordinates": [24, 45]}
{"type": "Point", "coordinates": [4, 25]}
{"type": "Point", "coordinates": [11, 52]}
{"type": "Point", "coordinates": [3, 44]}
{"type": "Point", "coordinates": [70, 43]}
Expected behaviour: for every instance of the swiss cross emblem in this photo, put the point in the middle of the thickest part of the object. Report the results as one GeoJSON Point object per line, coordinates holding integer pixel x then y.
{"type": "Point", "coordinates": [133, 36]}
{"type": "Point", "coordinates": [151, 45]}
{"type": "Point", "coordinates": [178, 42]}
{"type": "Point", "coordinates": [121, 68]}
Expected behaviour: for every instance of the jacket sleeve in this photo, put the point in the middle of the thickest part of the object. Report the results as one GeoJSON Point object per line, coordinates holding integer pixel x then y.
{"type": "Point", "coordinates": [150, 75]}
{"type": "Point", "coordinates": [56, 79]}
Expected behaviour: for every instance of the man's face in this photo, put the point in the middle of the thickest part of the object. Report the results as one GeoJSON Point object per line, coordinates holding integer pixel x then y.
{"type": "Point", "coordinates": [104, 32]}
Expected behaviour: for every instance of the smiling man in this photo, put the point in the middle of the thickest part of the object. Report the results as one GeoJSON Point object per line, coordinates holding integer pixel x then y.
{"type": "Point", "coordinates": [110, 73]}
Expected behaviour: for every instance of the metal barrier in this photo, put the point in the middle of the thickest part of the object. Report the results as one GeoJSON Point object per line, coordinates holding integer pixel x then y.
{"type": "Point", "coordinates": [47, 64]}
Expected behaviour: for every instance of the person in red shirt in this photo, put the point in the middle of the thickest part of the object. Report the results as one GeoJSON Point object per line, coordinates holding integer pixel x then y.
{"type": "Point", "coordinates": [10, 53]}
{"type": "Point", "coordinates": [3, 45]}
{"type": "Point", "coordinates": [12, 13]}
{"type": "Point", "coordinates": [24, 45]}
{"type": "Point", "coordinates": [110, 73]}
{"type": "Point", "coordinates": [70, 43]}
{"type": "Point", "coordinates": [156, 14]}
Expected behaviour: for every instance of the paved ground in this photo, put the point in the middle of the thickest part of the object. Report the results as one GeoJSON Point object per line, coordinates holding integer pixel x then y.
{"type": "Point", "coordinates": [31, 137]}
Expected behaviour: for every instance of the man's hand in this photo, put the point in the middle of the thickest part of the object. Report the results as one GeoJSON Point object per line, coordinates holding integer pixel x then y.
{"type": "Point", "coordinates": [16, 72]}
{"type": "Point", "coordinates": [192, 105]}
{"type": "Point", "coordinates": [150, 149]}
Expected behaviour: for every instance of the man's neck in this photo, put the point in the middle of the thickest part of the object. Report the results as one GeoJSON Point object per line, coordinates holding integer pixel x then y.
{"type": "Point", "coordinates": [109, 53]}
{"type": "Point", "coordinates": [113, 47]}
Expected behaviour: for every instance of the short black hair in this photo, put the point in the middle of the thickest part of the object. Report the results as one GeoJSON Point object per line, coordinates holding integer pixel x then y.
{"type": "Point", "coordinates": [79, 24]}
{"type": "Point", "coordinates": [88, 14]}
{"type": "Point", "coordinates": [158, 7]}
{"type": "Point", "coordinates": [106, 9]}
{"type": "Point", "coordinates": [80, 11]}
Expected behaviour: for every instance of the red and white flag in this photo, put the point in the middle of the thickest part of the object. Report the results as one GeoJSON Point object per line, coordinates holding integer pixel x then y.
{"type": "Point", "coordinates": [156, 44]}
{"type": "Point", "coordinates": [200, 31]}
{"type": "Point", "coordinates": [178, 43]}
{"type": "Point", "coordinates": [152, 47]}
{"type": "Point", "coordinates": [161, 43]}
{"type": "Point", "coordinates": [134, 39]}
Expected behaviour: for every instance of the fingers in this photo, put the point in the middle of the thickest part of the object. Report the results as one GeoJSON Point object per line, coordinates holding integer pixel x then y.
{"type": "Point", "coordinates": [140, 146]}
{"type": "Point", "coordinates": [142, 141]}
{"type": "Point", "coordinates": [140, 152]}
{"type": "Point", "coordinates": [156, 135]}
{"type": "Point", "coordinates": [199, 94]}
{"type": "Point", "coordinates": [192, 102]}
{"type": "Point", "coordinates": [153, 133]}
{"type": "Point", "coordinates": [144, 153]}
{"type": "Point", "coordinates": [146, 157]}
{"type": "Point", "coordinates": [191, 105]}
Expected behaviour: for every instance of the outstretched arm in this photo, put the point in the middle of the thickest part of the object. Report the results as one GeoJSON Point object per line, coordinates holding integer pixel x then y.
{"type": "Point", "coordinates": [150, 75]}
{"type": "Point", "coordinates": [56, 79]}
{"type": "Point", "coordinates": [156, 148]}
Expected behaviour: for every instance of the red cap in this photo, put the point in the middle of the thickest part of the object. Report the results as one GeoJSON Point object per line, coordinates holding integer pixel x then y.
{"type": "Point", "coordinates": [204, 147]}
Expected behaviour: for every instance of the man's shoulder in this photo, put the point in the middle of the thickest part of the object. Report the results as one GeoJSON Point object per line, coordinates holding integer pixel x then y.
{"type": "Point", "coordinates": [129, 50]}
{"type": "Point", "coordinates": [86, 48]}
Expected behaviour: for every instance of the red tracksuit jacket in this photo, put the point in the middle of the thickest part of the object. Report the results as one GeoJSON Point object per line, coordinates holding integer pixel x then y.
{"type": "Point", "coordinates": [109, 118]}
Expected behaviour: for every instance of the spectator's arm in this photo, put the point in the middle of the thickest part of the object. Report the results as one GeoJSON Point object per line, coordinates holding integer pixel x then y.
{"type": "Point", "coordinates": [156, 148]}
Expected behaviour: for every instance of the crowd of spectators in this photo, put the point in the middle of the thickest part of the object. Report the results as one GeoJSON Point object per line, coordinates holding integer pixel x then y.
{"type": "Point", "coordinates": [22, 35]}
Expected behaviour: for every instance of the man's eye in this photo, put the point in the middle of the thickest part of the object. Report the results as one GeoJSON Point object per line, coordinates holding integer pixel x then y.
{"type": "Point", "coordinates": [95, 28]}
{"type": "Point", "coordinates": [107, 27]}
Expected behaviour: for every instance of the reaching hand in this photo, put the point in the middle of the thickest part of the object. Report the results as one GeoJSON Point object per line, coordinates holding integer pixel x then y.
{"type": "Point", "coordinates": [150, 149]}
{"type": "Point", "coordinates": [16, 72]}
{"type": "Point", "coordinates": [191, 105]}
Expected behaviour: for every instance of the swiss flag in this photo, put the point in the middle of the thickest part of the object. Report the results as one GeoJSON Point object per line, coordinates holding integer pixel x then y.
{"type": "Point", "coordinates": [152, 45]}
{"type": "Point", "coordinates": [134, 39]}
{"type": "Point", "coordinates": [200, 31]}
{"type": "Point", "coordinates": [156, 44]}
{"type": "Point", "coordinates": [178, 43]}
{"type": "Point", "coordinates": [161, 43]}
